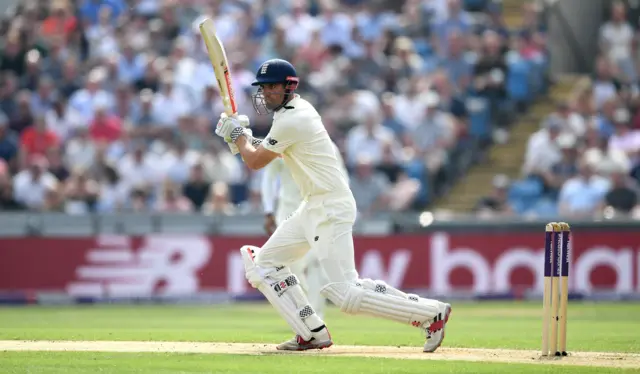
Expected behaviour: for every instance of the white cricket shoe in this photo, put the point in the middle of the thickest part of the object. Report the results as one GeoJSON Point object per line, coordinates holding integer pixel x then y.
{"type": "Point", "coordinates": [319, 340]}
{"type": "Point", "coordinates": [435, 331]}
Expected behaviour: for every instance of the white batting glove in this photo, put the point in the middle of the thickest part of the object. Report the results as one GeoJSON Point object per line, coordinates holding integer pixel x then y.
{"type": "Point", "coordinates": [230, 128]}
{"type": "Point", "coordinates": [233, 147]}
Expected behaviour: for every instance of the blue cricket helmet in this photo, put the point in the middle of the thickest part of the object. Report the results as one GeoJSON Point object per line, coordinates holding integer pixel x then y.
{"type": "Point", "coordinates": [274, 71]}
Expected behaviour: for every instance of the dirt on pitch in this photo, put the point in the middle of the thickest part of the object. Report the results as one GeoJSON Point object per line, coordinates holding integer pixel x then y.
{"type": "Point", "coordinates": [595, 359]}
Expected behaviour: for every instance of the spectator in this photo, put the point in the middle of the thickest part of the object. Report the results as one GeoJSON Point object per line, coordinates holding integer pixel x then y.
{"type": "Point", "coordinates": [130, 79]}
{"type": "Point", "coordinates": [490, 72]}
{"type": "Point", "coordinates": [582, 195]}
{"type": "Point", "coordinates": [372, 187]}
{"type": "Point", "coordinates": [56, 165]}
{"type": "Point", "coordinates": [496, 204]}
{"type": "Point", "coordinates": [80, 151]}
{"type": "Point", "coordinates": [616, 41]}
{"type": "Point", "coordinates": [80, 193]}
{"type": "Point", "coordinates": [113, 192]}
{"type": "Point", "coordinates": [61, 120]}
{"type": "Point", "coordinates": [104, 127]}
{"type": "Point", "coordinates": [623, 195]}
{"type": "Point", "coordinates": [7, 197]}
{"type": "Point", "coordinates": [8, 141]}
{"type": "Point", "coordinates": [37, 139]}
{"type": "Point", "coordinates": [34, 186]}
{"type": "Point", "coordinates": [23, 116]}
{"type": "Point", "coordinates": [172, 200]}
{"type": "Point", "coordinates": [218, 202]}
{"type": "Point", "coordinates": [368, 139]}
{"type": "Point", "coordinates": [566, 168]}
{"type": "Point", "coordinates": [542, 149]}
{"type": "Point", "coordinates": [434, 136]}
{"type": "Point", "coordinates": [197, 187]}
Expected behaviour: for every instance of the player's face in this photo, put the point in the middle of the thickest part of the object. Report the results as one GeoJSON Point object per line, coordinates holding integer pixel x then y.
{"type": "Point", "coordinates": [273, 95]}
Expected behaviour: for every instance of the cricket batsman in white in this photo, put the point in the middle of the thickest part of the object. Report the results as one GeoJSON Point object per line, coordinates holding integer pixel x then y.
{"type": "Point", "coordinates": [323, 221]}
{"type": "Point", "coordinates": [277, 180]}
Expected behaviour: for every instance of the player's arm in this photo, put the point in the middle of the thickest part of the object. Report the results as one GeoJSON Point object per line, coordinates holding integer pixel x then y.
{"type": "Point", "coordinates": [255, 157]}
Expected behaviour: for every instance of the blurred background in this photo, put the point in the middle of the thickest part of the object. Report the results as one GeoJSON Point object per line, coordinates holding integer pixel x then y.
{"type": "Point", "coordinates": [453, 116]}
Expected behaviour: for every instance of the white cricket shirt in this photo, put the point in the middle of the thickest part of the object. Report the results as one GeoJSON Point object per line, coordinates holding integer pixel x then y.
{"type": "Point", "coordinates": [308, 153]}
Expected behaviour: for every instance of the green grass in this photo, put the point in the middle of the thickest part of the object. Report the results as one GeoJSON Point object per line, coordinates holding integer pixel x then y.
{"type": "Point", "coordinates": [46, 362]}
{"type": "Point", "coordinates": [604, 327]}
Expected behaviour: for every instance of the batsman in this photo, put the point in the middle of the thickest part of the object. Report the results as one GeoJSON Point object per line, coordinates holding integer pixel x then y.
{"type": "Point", "coordinates": [322, 222]}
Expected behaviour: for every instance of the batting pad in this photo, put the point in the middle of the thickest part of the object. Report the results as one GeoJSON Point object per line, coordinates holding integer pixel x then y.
{"type": "Point", "coordinates": [381, 300]}
{"type": "Point", "coordinates": [282, 289]}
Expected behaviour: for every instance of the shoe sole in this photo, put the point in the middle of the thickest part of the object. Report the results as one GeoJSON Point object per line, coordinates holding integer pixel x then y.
{"type": "Point", "coordinates": [446, 319]}
{"type": "Point", "coordinates": [299, 348]}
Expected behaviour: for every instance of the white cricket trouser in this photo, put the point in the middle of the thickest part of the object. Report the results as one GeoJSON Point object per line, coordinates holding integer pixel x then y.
{"type": "Point", "coordinates": [321, 226]}
{"type": "Point", "coordinates": [307, 269]}
{"type": "Point", "coordinates": [324, 225]}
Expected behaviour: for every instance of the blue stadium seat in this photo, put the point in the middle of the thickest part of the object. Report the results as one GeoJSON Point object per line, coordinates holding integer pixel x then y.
{"type": "Point", "coordinates": [518, 84]}
{"type": "Point", "coordinates": [479, 116]}
{"type": "Point", "coordinates": [525, 193]}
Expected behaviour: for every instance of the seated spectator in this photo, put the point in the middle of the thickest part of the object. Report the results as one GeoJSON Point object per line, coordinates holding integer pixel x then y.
{"type": "Point", "coordinates": [7, 199]}
{"type": "Point", "coordinates": [176, 163]}
{"type": "Point", "coordinates": [219, 201]}
{"type": "Point", "coordinates": [104, 127]}
{"type": "Point", "coordinates": [172, 200]}
{"type": "Point", "coordinates": [625, 139]}
{"type": "Point", "coordinates": [616, 41]}
{"type": "Point", "coordinates": [62, 120]}
{"type": "Point", "coordinates": [53, 200]}
{"type": "Point", "coordinates": [542, 148]}
{"type": "Point", "coordinates": [37, 139]}
{"type": "Point", "coordinates": [80, 193]}
{"type": "Point", "coordinates": [196, 189]}
{"type": "Point", "coordinates": [372, 187]}
{"type": "Point", "coordinates": [566, 168]}
{"type": "Point", "coordinates": [582, 196]}
{"type": "Point", "coordinates": [574, 123]}
{"type": "Point", "coordinates": [138, 201]}
{"type": "Point", "coordinates": [490, 73]}
{"type": "Point", "coordinates": [496, 204]}
{"type": "Point", "coordinates": [114, 193]}
{"type": "Point", "coordinates": [139, 168]}
{"type": "Point", "coordinates": [623, 195]}
{"type": "Point", "coordinates": [80, 151]}
{"type": "Point", "coordinates": [56, 164]}
{"type": "Point", "coordinates": [22, 117]}
{"type": "Point", "coordinates": [433, 137]}
{"type": "Point", "coordinates": [9, 141]}
{"type": "Point", "coordinates": [31, 185]}
{"type": "Point", "coordinates": [368, 138]}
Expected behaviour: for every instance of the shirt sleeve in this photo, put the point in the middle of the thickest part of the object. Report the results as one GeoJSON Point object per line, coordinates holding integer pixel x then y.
{"type": "Point", "coordinates": [283, 134]}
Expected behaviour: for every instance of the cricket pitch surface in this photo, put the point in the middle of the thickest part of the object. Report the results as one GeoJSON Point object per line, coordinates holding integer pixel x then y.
{"type": "Point", "coordinates": [593, 359]}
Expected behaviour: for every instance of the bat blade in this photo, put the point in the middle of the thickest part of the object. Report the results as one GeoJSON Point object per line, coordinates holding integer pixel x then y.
{"type": "Point", "coordinates": [218, 58]}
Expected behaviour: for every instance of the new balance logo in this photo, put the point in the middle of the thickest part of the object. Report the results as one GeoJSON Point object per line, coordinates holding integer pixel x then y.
{"type": "Point", "coordinates": [160, 266]}
{"type": "Point", "coordinates": [263, 70]}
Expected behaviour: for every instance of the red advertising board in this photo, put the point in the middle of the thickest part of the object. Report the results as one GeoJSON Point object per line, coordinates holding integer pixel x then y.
{"type": "Point", "coordinates": [442, 263]}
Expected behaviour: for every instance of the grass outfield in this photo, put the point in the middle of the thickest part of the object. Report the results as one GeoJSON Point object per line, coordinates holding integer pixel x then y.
{"type": "Point", "coordinates": [597, 327]}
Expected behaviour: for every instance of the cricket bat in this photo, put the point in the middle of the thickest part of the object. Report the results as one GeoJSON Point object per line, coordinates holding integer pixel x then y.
{"type": "Point", "coordinates": [220, 64]}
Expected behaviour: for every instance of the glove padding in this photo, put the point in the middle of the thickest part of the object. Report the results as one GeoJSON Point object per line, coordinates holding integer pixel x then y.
{"type": "Point", "coordinates": [230, 128]}
{"type": "Point", "coordinates": [234, 148]}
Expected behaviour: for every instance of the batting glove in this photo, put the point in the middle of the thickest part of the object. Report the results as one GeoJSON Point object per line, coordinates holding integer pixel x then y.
{"type": "Point", "coordinates": [234, 148]}
{"type": "Point", "coordinates": [230, 128]}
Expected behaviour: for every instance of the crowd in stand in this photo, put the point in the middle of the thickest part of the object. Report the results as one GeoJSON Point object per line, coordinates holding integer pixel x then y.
{"type": "Point", "coordinates": [584, 162]}
{"type": "Point", "coordinates": [109, 105]}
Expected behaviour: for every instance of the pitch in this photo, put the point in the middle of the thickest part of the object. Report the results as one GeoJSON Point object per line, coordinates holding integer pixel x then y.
{"type": "Point", "coordinates": [239, 338]}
